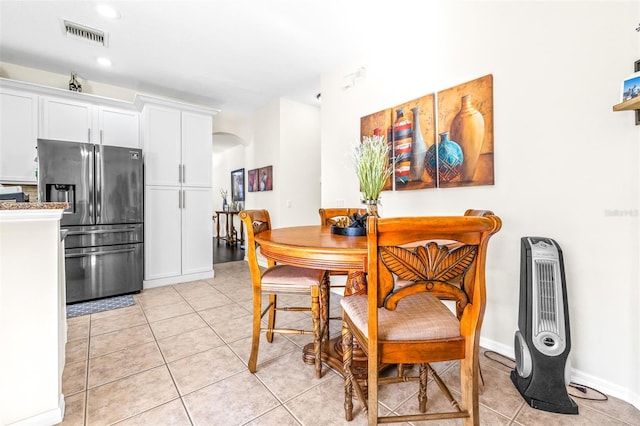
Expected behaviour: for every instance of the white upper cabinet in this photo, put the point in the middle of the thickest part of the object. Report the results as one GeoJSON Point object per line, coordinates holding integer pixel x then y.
{"type": "Point", "coordinates": [75, 121]}
{"type": "Point", "coordinates": [196, 149]}
{"type": "Point", "coordinates": [66, 120]}
{"type": "Point", "coordinates": [177, 147]}
{"type": "Point", "coordinates": [162, 145]}
{"type": "Point", "coordinates": [118, 127]}
{"type": "Point", "coordinates": [29, 111]}
{"type": "Point", "coordinates": [18, 136]}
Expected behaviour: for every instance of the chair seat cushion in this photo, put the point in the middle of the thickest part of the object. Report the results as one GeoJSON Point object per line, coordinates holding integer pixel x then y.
{"type": "Point", "coordinates": [420, 316]}
{"type": "Point", "coordinates": [290, 278]}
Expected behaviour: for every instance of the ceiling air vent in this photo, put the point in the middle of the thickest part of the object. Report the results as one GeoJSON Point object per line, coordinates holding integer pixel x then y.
{"type": "Point", "coordinates": [84, 32]}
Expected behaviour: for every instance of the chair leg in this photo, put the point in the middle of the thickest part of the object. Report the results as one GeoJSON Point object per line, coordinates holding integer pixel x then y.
{"type": "Point", "coordinates": [317, 338]}
{"type": "Point", "coordinates": [422, 393]}
{"type": "Point", "coordinates": [255, 340]}
{"type": "Point", "coordinates": [347, 358]}
{"type": "Point", "coordinates": [469, 391]}
{"type": "Point", "coordinates": [271, 321]}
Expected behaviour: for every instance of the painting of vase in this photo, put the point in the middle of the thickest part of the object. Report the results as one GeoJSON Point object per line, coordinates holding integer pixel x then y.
{"type": "Point", "coordinates": [413, 134]}
{"type": "Point", "coordinates": [379, 123]}
{"type": "Point", "coordinates": [465, 111]}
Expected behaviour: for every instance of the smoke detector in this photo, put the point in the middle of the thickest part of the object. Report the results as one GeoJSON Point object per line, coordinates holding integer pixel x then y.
{"type": "Point", "coordinates": [84, 32]}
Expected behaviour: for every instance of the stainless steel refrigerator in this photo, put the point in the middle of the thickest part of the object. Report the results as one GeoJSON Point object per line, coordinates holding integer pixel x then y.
{"type": "Point", "coordinates": [103, 186]}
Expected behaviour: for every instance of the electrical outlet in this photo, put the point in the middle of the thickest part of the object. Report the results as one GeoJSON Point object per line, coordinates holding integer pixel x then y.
{"type": "Point", "coordinates": [339, 202]}
{"type": "Point", "coordinates": [289, 204]}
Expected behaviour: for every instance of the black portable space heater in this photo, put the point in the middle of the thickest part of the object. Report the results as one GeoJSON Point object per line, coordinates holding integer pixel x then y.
{"type": "Point", "coordinates": [543, 341]}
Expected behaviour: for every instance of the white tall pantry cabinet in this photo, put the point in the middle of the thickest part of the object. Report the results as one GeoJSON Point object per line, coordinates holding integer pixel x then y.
{"type": "Point", "coordinates": [176, 142]}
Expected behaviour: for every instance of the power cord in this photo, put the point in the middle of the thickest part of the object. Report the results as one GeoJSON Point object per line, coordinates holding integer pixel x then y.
{"type": "Point", "coordinates": [579, 387]}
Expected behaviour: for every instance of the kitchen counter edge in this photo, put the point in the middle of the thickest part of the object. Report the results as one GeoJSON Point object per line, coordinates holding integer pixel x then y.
{"type": "Point", "coordinates": [10, 205]}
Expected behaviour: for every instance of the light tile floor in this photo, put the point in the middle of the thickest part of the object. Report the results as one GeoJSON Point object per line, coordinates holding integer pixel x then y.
{"type": "Point", "coordinates": [178, 357]}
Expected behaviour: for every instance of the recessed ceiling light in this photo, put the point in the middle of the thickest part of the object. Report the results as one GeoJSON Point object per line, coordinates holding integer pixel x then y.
{"type": "Point", "coordinates": [107, 11]}
{"type": "Point", "coordinates": [105, 62]}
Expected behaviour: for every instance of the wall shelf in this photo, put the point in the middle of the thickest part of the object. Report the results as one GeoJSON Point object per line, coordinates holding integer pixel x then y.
{"type": "Point", "coordinates": [630, 105]}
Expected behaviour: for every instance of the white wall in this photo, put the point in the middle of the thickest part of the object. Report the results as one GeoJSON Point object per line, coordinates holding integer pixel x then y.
{"type": "Point", "coordinates": [299, 165]}
{"type": "Point", "coordinates": [566, 166]}
{"type": "Point", "coordinates": [286, 135]}
{"type": "Point", "coordinates": [264, 150]}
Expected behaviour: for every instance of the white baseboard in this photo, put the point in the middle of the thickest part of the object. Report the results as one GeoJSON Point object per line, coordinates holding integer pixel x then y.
{"type": "Point", "coordinates": [177, 279]}
{"type": "Point", "coordinates": [577, 376]}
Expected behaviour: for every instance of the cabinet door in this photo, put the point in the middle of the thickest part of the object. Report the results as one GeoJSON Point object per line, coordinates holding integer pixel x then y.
{"type": "Point", "coordinates": [196, 149]}
{"type": "Point", "coordinates": [162, 232]}
{"type": "Point", "coordinates": [66, 120]}
{"type": "Point", "coordinates": [197, 233]}
{"type": "Point", "coordinates": [161, 147]}
{"type": "Point", "coordinates": [118, 127]}
{"type": "Point", "coordinates": [18, 136]}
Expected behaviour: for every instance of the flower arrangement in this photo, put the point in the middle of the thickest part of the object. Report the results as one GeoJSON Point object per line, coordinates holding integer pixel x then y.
{"type": "Point", "coordinates": [224, 194]}
{"type": "Point", "coordinates": [372, 166]}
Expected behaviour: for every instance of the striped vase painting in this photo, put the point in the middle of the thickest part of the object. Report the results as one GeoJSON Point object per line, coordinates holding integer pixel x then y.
{"type": "Point", "coordinates": [402, 137]}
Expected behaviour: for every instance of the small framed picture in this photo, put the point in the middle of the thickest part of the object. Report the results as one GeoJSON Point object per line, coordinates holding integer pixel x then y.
{"type": "Point", "coordinates": [631, 87]}
{"type": "Point", "coordinates": [265, 177]}
{"type": "Point", "coordinates": [253, 180]}
{"type": "Point", "coordinates": [237, 185]}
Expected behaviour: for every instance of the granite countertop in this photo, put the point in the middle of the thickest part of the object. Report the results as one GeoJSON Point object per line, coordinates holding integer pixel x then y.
{"type": "Point", "coordinates": [12, 205]}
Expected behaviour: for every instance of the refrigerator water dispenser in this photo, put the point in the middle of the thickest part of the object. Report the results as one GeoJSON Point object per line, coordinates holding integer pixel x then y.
{"type": "Point", "coordinates": [61, 193]}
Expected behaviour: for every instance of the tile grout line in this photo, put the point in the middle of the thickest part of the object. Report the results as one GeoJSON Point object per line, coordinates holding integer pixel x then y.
{"type": "Point", "coordinates": [86, 378]}
{"type": "Point", "coordinates": [166, 364]}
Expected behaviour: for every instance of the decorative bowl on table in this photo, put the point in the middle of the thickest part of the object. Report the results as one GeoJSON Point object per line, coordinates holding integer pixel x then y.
{"type": "Point", "coordinates": [349, 231]}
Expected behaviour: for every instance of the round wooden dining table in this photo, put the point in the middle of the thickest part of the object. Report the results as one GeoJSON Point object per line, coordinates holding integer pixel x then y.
{"type": "Point", "coordinates": [316, 247]}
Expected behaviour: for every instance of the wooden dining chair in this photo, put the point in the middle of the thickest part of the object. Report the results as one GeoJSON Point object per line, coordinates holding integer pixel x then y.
{"type": "Point", "coordinates": [278, 280]}
{"type": "Point", "coordinates": [338, 215]}
{"type": "Point", "coordinates": [335, 216]}
{"type": "Point", "coordinates": [436, 259]}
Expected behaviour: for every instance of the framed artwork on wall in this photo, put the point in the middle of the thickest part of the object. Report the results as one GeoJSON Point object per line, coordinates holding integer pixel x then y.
{"type": "Point", "coordinates": [252, 176]}
{"type": "Point", "coordinates": [265, 178]}
{"type": "Point", "coordinates": [379, 123]}
{"type": "Point", "coordinates": [465, 125]}
{"type": "Point", "coordinates": [237, 185]}
{"type": "Point", "coordinates": [636, 68]}
{"type": "Point", "coordinates": [413, 138]}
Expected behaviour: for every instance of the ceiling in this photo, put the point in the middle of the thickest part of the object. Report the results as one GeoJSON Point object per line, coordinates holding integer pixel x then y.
{"type": "Point", "coordinates": [235, 55]}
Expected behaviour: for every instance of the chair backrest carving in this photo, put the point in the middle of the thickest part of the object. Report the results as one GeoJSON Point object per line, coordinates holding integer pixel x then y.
{"type": "Point", "coordinates": [441, 255]}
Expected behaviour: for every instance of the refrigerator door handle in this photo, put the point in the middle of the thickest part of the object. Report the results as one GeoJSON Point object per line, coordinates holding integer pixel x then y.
{"type": "Point", "coordinates": [184, 174]}
{"type": "Point", "coordinates": [99, 253]}
{"type": "Point", "coordinates": [98, 180]}
{"type": "Point", "coordinates": [179, 199]}
{"type": "Point", "coordinates": [89, 182]}
{"type": "Point", "coordinates": [101, 231]}
{"type": "Point", "coordinates": [184, 199]}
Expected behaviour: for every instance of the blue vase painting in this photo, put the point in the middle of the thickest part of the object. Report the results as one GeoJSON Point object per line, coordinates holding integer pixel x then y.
{"type": "Point", "coordinates": [447, 161]}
